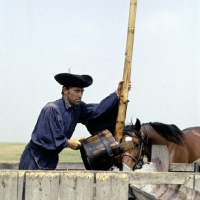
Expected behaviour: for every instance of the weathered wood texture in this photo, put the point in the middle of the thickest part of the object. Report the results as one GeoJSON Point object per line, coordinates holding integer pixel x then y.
{"type": "Point", "coordinates": [112, 185]}
{"type": "Point", "coordinates": [181, 167]}
{"type": "Point", "coordinates": [8, 187]}
{"type": "Point", "coordinates": [42, 185]}
{"type": "Point", "coordinates": [164, 190]}
{"type": "Point", "coordinates": [90, 185]}
{"type": "Point", "coordinates": [160, 156]}
{"type": "Point", "coordinates": [174, 167]}
{"type": "Point", "coordinates": [98, 151]}
{"type": "Point", "coordinates": [77, 185]}
{"type": "Point", "coordinates": [167, 192]}
{"type": "Point", "coordinates": [187, 194]}
{"type": "Point", "coordinates": [160, 177]}
{"type": "Point", "coordinates": [127, 71]}
{"type": "Point", "coordinates": [142, 194]}
{"type": "Point", "coordinates": [20, 184]}
{"type": "Point", "coordinates": [196, 184]}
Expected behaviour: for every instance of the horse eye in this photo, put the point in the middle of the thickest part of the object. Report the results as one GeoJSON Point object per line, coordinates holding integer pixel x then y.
{"type": "Point", "coordinates": [136, 145]}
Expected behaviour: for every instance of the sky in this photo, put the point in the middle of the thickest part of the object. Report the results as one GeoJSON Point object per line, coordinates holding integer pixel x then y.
{"type": "Point", "coordinates": [40, 38]}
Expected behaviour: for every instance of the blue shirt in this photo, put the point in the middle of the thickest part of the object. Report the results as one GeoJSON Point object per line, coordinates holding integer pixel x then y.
{"type": "Point", "coordinates": [57, 121]}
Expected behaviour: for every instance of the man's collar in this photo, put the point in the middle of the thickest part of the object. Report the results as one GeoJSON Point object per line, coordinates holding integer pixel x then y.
{"type": "Point", "coordinates": [67, 104]}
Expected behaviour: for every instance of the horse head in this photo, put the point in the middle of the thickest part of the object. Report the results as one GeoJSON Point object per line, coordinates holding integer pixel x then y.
{"type": "Point", "coordinates": [133, 159]}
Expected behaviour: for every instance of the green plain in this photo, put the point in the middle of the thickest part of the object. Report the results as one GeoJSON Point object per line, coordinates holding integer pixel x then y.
{"type": "Point", "coordinates": [11, 152]}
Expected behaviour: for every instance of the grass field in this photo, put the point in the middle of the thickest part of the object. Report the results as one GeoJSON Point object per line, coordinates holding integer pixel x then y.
{"type": "Point", "coordinates": [11, 152]}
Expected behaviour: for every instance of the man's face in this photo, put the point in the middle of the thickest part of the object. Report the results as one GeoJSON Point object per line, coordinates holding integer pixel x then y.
{"type": "Point", "coordinates": [73, 95]}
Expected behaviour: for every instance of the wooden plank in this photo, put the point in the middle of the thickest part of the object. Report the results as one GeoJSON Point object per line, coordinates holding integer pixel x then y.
{"type": "Point", "coordinates": [142, 194]}
{"type": "Point", "coordinates": [8, 186]}
{"type": "Point", "coordinates": [189, 182]}
{"type": "Point", "coordinates": [181, 167]}
{"type": "Point", "coordinates": [160, 156]}
{"type": "Point", "coordinates": [77, 185]}
{"type": "Point", "coordinates": [197, 182]}
{"type": "Point", "coordinates": [186, 194]}
{"type": "Point", "coordinates": [175, 167]}
{"type": "Point", "coordinates": [170, 192]}
{"type": "Point", "coordinates": [20, 184]}
{"type": "Point", "coordinates": [42, 185]}
{"type": "Point", "coordinates": [112, 186]}
{"type": "Point", "coordinates": [142, 178]}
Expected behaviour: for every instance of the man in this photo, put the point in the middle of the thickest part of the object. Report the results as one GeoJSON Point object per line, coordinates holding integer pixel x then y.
{"type": "Point", "coordinates": [57, 121]}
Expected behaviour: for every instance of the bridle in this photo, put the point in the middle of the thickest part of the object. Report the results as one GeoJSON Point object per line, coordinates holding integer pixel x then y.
{"type": "Point", "coordinates": [139, 159]}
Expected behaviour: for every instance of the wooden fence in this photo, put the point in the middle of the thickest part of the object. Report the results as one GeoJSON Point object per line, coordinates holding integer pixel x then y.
{"type": "Point", "coordinates": [53, 185]}
{"type": "Point", "coordinates": [181, 182]}
{"type": "Point", "coordinates": [86, 185]}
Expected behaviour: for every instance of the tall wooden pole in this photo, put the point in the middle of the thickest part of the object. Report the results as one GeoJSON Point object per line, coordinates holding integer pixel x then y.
{"type": "Point", "coordinates": [127, 72]}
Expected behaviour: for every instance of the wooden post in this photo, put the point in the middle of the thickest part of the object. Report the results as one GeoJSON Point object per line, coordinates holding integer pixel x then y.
{"type": "Point", "coordinates": [160, 156]}
{"type": "Point", "coordinates": [127, 72]}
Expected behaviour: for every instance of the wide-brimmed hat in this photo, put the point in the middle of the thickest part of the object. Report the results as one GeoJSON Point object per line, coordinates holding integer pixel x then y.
{"type": "Point", "coordinates": [74, 80]}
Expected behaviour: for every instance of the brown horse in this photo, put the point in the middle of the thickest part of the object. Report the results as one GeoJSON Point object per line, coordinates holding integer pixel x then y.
{"type": "Point", "coordinates": [183, 146]}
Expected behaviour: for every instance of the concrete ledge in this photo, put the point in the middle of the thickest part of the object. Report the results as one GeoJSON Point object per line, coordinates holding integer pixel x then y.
{"type": "Point", "coordinates": [60, 166]}
{"type": "Point", "coordinates": [10, 165]}
{"type": "Point", "coordinates": [71, 165]}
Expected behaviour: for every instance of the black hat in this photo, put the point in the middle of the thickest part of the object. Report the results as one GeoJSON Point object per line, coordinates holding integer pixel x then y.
{"type": "Point", "coordinates": [74, 80]}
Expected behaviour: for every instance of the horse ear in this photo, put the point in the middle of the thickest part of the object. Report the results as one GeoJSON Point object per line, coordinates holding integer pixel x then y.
{"type": "Point", "coordinates": [137, 124]}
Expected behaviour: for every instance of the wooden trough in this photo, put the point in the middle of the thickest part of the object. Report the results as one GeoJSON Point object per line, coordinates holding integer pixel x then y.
{"type": "Point", "coordinates": [170, 181]}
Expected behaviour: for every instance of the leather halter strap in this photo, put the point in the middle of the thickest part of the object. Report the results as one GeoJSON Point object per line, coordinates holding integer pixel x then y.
{"type": "Point", "coordinates": [129, 155]}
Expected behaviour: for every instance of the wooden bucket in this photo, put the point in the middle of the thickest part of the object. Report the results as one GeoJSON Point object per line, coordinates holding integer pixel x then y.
{"type": "Point", "coordinates": [98, 151]}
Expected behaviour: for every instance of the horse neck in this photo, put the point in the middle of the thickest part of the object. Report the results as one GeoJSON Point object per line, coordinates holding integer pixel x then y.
{"type": "Point", "coordinates": [153, 136]}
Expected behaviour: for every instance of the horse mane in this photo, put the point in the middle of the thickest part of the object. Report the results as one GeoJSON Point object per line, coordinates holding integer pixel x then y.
{"type": "Point", "coordinates": [169, 132]}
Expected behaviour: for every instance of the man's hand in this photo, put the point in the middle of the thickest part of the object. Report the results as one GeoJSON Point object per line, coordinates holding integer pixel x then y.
{"type": "Point", "coordinates": [119, 88]}
{"type": "Point", "coordinates": [75, 143]}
